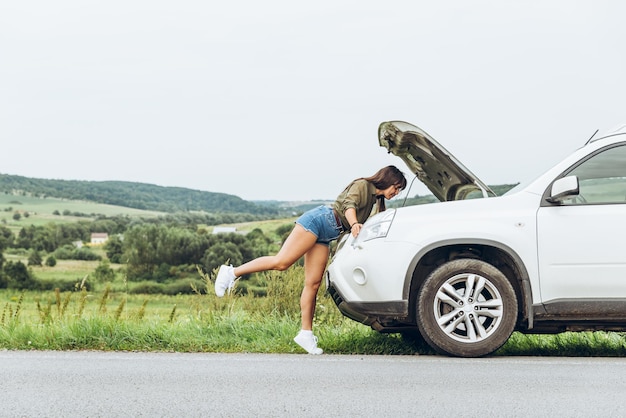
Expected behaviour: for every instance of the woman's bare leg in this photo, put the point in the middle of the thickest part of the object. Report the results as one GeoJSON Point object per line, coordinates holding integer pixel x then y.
{"type": "Point", "coordinates": [300, 242]}
{"type": "Point", "coordinates": [295, 246]}
{"type": "Point", "coordinates": [314, 265]}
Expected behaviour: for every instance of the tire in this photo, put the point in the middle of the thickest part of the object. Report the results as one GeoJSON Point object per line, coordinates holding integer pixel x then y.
{"type": "Point", "coordinates": [456, 323]}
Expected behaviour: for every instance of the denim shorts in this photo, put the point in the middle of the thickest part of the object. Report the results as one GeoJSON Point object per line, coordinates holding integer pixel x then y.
{"type": "Point", "coordinates": [322, 223]}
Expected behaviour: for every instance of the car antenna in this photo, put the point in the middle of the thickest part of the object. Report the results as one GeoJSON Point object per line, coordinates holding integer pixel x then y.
{"type": "Point", "coordinates": [594, 134]}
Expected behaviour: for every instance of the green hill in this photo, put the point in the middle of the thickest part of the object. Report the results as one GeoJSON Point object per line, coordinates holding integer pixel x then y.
{"type": "Point", "coordinates": [133, 195]}
{"type": "Point", "coordinates": [149, 197]}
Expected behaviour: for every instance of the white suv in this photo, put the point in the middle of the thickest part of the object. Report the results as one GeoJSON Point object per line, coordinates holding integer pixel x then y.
{"type": "Point", "coordinates": [546, 257]}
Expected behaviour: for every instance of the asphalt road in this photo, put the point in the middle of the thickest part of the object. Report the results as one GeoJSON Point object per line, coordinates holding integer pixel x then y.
{"type": "Point", "coordinates": [114, 384]}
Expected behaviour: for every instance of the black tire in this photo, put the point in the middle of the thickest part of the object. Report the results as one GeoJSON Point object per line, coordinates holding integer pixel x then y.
{"type": "Point", "coordinates": [456, 322]}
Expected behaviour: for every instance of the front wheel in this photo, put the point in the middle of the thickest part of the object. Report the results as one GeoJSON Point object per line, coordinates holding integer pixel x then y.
{"type": "Point", "coordinates": [466, 308]}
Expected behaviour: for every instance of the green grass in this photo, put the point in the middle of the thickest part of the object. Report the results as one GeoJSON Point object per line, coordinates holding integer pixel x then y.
{"type": "Point", "coordinates": [574, 344]}
{"type": "Point", "coordinates": [107, 319]}
{"type": "Point", "coordinates": [202, 322]}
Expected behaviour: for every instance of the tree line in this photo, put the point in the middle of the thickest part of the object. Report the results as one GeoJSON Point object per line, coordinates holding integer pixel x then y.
{"type": "Point", "coordinates": [136, 195]}
{"type": "Point", "coordinates": [159, 250]}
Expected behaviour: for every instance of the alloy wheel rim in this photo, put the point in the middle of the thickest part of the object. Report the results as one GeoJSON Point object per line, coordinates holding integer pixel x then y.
{"type": "Point", "coordinates": [468, 308]}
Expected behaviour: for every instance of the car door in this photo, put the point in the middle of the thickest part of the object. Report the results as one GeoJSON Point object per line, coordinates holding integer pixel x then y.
{"type": "Point", "coordinates": [582, 242]}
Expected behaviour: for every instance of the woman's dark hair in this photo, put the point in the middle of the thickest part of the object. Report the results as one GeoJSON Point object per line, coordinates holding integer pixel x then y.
{"type": "Point", "coordinates": [385, 177]}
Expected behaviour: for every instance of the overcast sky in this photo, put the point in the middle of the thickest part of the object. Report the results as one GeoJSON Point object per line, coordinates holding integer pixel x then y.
{"type": "Point", "coordinates": [282, 99]}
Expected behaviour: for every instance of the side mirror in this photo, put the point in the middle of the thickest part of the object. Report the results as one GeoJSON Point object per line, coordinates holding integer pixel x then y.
{"type": "Point", "coordinates": [564, 188]}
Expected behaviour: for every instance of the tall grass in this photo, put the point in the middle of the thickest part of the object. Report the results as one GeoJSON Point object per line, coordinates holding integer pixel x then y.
{"type": "Point", "coordinates": [115, 320]}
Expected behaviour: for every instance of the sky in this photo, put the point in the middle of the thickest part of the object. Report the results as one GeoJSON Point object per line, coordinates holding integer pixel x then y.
{"type": "Point", "coordinates": [281, 100]}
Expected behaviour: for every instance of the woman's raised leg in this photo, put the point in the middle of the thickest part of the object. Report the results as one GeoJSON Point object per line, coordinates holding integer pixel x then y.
{"type": "Point", "coordinates": [295, 246]}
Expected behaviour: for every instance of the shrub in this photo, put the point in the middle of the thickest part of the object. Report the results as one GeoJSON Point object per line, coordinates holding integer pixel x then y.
{"type": "Point", "coordinates": [283, 231]}
{"type": "Point", "coordinates": [114, 249]}
{"type": "Point", "coordinates": [69, 252]}
{"type": "Point", "coordinates": [51, 261]}
{"type": "Point", "coordinates": [104, 272]}
{"type": "Point", "coordinates": [64, 252]}
{"type": "Point", "coordinates": [148, 288]}
{"type": "Point", "coordinates": [34, 259]}
{"type": "Point", "coordinates": [85, 254]}
{"type": "Point", "coordinates": [183, 287]}
{"type": "Point", "coordinates": [19, 276]}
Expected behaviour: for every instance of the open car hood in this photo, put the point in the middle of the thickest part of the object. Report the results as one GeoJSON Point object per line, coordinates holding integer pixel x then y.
{"type": "Point", "coordinates": [437, 168]}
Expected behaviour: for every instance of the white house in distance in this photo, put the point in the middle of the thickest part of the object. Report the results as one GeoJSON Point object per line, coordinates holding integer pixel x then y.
{"type": "Point", "coordinates": [99, 238]}
{"type": "Point", "coordinates": [224, 229]}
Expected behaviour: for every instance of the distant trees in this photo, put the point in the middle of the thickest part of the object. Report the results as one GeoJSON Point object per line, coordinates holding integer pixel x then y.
{"type": "Point", "coordinates": [220, 253]}
{"type": "Point", "coordinates": [70, 252]}
{"type": "Point", "coordinates": [34, 259]}
{"type": "Point", "coordinates": [147, 246]}
{"type": "Point", "coordinates": [6, 238]}
{"type": "Point", "coordinates": [160, 250]}
{"type": "Point", "coordinates": [114, 248]}
{"type": "Point", "coordinates": [18, 276]}
{"type": "Point", "coordinates": [136, 195]}
{"type": "Point", "coordinates": [150, 250]}
{"type": "Point", "coordinates": [52, 236]}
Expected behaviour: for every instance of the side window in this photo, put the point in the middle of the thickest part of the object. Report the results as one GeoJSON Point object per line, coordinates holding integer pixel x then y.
{"type": "Point", "coordinates": [602, 178]}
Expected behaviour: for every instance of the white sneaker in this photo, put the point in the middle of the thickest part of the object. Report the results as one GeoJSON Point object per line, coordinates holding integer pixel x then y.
{"type": "Point", "coordinates": [308, 342]}
{"type": "Point", "coordinates": [225, 280]}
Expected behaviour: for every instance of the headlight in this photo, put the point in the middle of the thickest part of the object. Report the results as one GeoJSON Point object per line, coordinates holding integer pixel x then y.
{"type": "Point", "coordinates": [376, 227]}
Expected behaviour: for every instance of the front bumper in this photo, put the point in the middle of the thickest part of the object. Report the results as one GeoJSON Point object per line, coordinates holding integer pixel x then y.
{"type": "Point", "coordinates": [381, 316]}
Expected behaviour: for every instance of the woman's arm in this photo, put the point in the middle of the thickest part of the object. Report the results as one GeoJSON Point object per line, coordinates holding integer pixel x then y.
{"type": "Point", "coordinates": [355, 226]}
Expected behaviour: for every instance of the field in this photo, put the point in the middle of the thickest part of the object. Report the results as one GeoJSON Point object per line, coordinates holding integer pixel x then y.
{"type": "Point", "coordinates": [107, 319]}
{"type": "Point", "coordinates": [115, 320]}
{"type": "Point", "coordinates": [41, 211]}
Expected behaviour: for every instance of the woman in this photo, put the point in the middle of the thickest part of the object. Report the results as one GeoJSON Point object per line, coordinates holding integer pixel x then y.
{"type": "Point", "coordinates": [311, 236]}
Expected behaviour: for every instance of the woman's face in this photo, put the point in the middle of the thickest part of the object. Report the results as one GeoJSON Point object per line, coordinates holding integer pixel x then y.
{"type": "Point", "coordinates": [391, 191]}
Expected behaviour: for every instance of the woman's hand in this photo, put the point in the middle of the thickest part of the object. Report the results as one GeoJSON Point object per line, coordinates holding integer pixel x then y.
{"type": "Point", "coordinates": [355, 229]}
